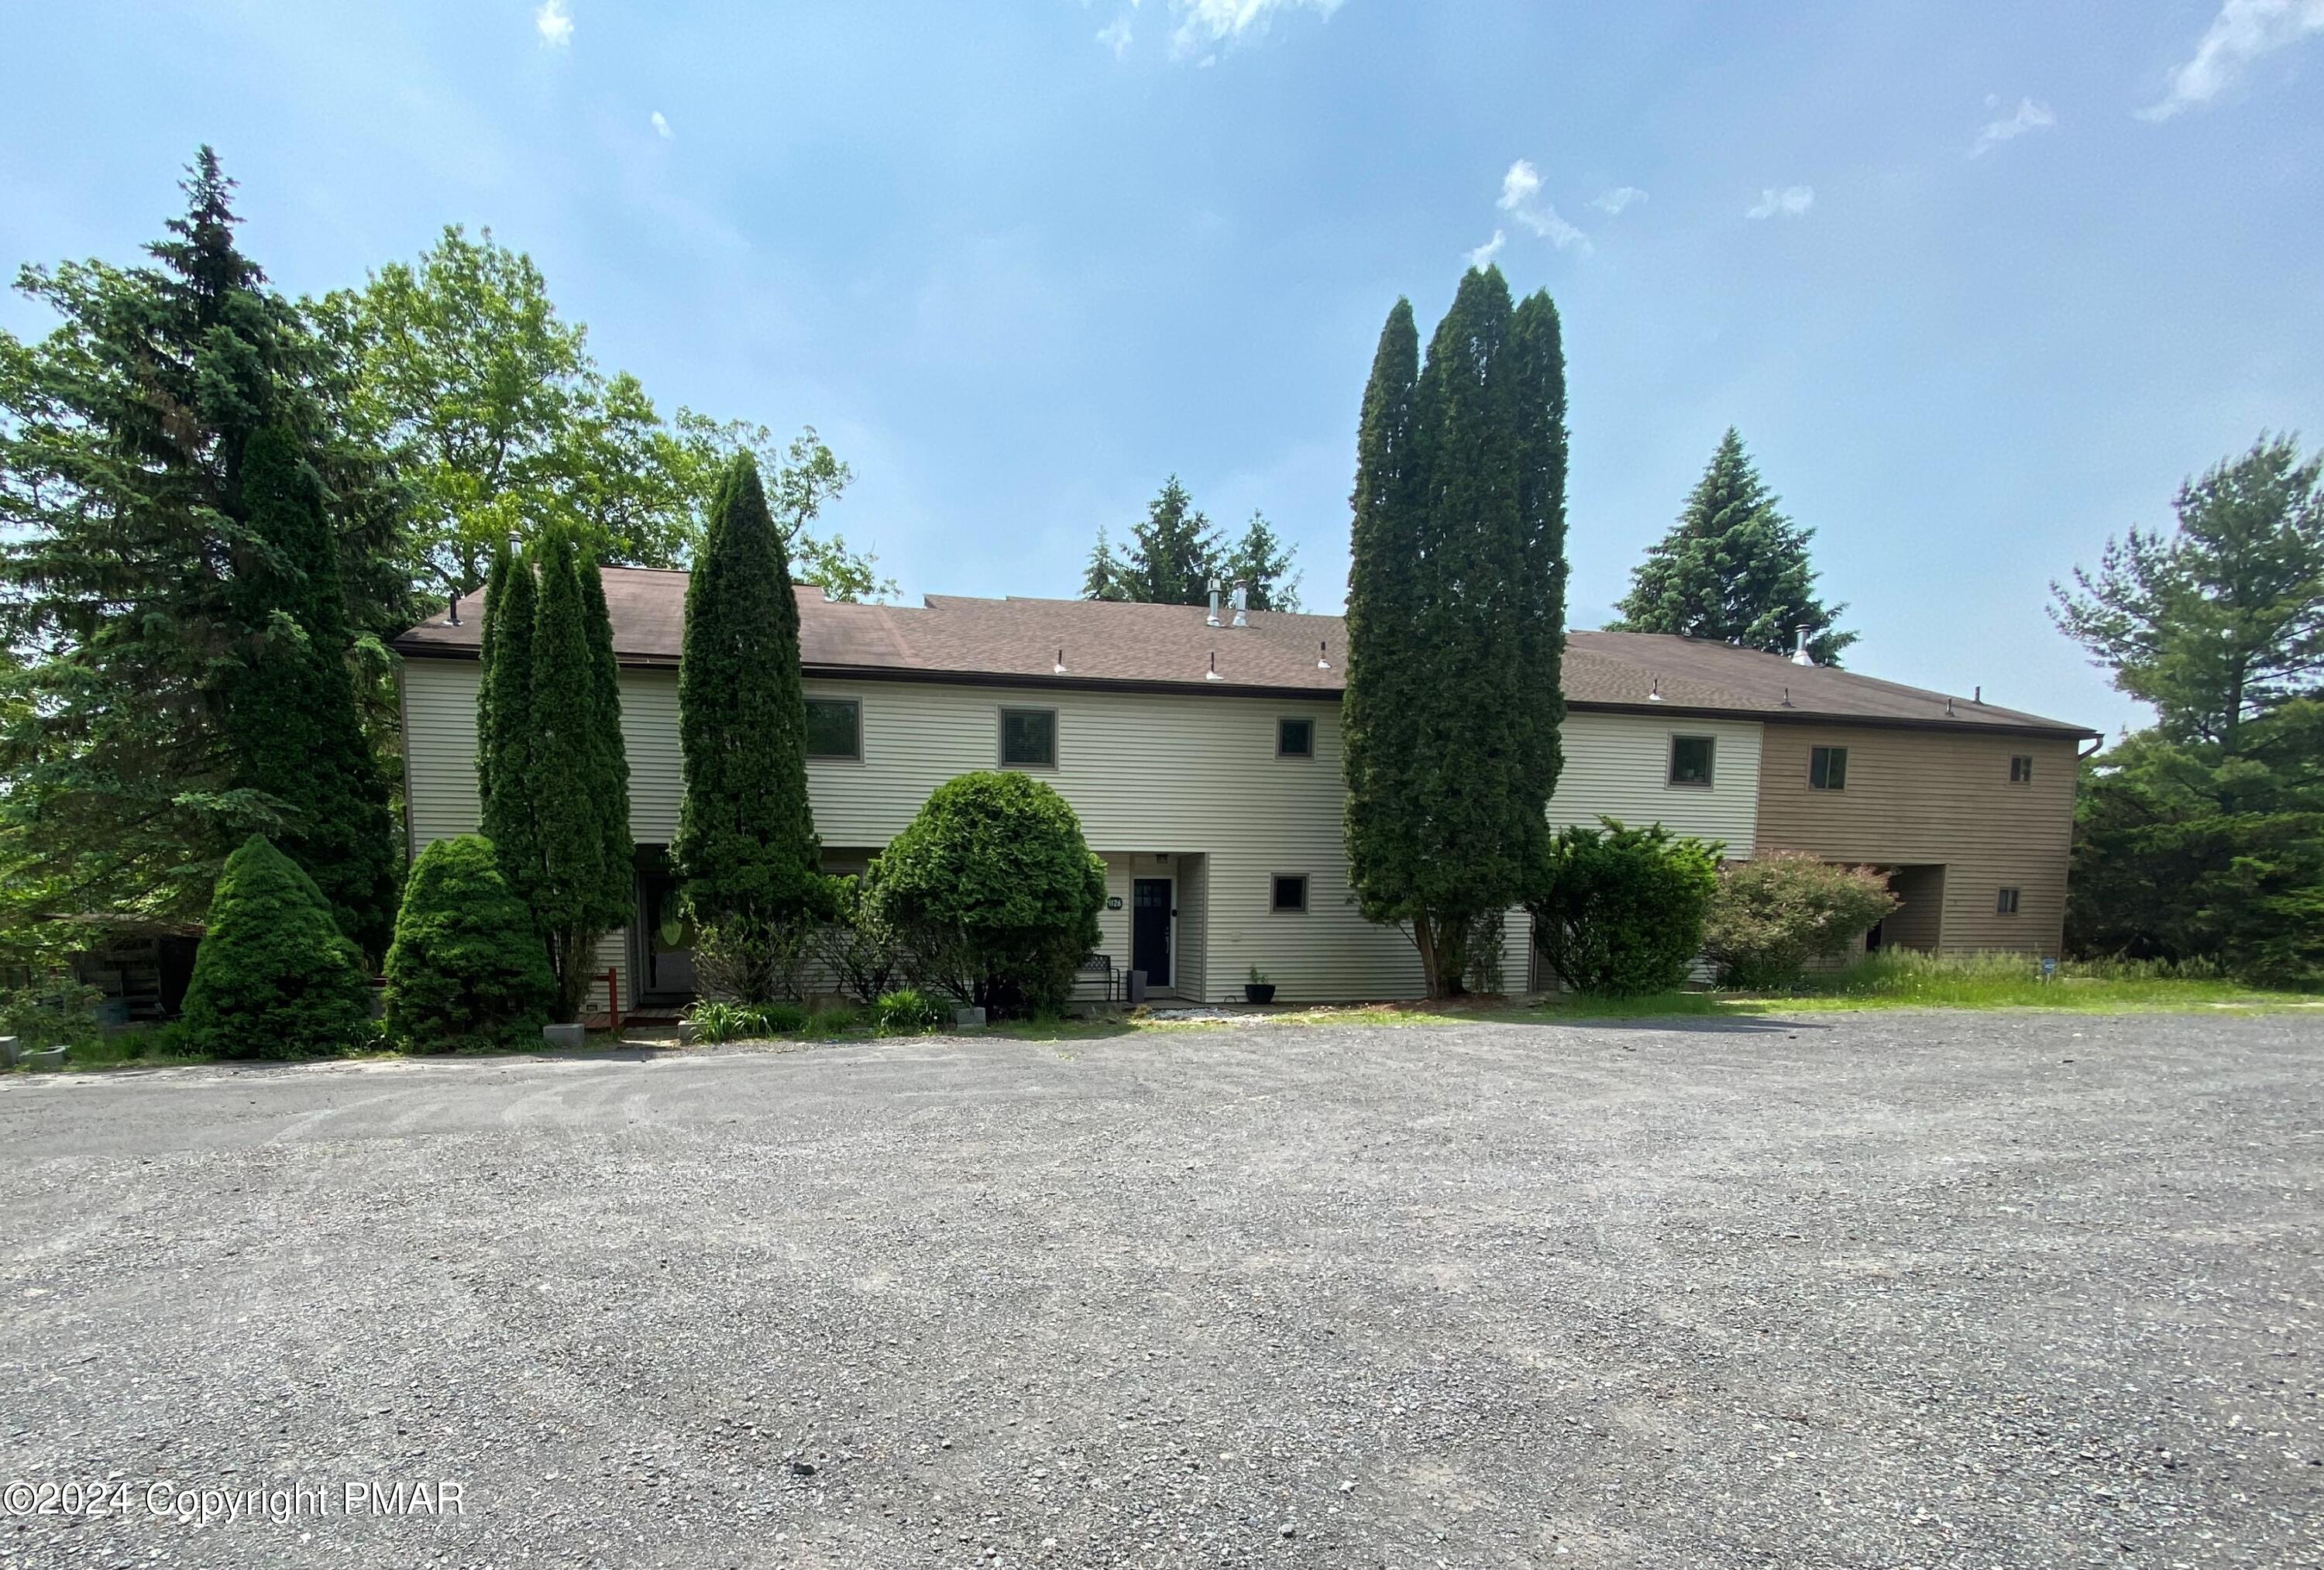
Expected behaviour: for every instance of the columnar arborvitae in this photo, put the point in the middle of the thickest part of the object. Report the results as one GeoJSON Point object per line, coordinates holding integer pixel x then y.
{"type": "Point", "coordinates": [291, 723]}
{"type": "Point", "coordinates": [1733, 568]}
{"type": "Point", "coordinates": [564, 775]}
{"type": "Point", "coordinates": [505, 722]}
{"type": "Point", "coordinates": [1455, 611]}
{"type": "Point", "coordinates": [613, 765]}
{"type": "Point", "coordinates": [746, 845]}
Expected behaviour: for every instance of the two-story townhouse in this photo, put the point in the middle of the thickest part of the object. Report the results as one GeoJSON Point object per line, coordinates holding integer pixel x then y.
{"type": "Point", "coordinates": [1202, 758]}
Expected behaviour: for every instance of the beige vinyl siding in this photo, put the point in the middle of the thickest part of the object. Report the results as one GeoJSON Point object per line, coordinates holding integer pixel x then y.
{"type": "Point", "coordinates": [1920, 798]}
{"type": "Point", "coordinates": [1618, 766]}
{"type": "Point", "coordinates": [1194, 778]}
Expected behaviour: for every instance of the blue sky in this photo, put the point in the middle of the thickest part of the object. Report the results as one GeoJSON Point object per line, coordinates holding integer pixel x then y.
{"type": "Point", "coordinates": [1979, 282]}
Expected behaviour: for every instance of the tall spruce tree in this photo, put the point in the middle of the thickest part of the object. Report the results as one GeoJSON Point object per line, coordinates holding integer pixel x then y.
{"type": "Point", "coordinates": [1733, 568]}
{"type": "Point", "coordinates": [1261, 563]}
{"type": "Point", "coordinates": [1174, 556]}
{"type": "Point", "coordinates": [121, 448]}
{"type": "Point", "coordinates": [1456, 621]}
{"type": "Point", "coordinates": [746, 847]}
{"type": "Point", "coordinates": [291, 720]}
{"type": "Point", "coordinates": [579, 896]}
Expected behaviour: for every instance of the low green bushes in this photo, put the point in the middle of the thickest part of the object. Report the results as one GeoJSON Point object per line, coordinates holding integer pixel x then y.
{"type": "Point", "coordinates": [907, 1011]}
{"type": "Point", "coordinates": [715, 1021]}
{"type": "Point", "coordinates": [1619, 911]}
{"type": "Point", "coordinates": [1778, 913]}
{"type": "Point", "coordinates": [466, 968]}
{"type": "Point", "coordinates": [992, 894]}
{"type": "Point", "coordinates": [274, 977]}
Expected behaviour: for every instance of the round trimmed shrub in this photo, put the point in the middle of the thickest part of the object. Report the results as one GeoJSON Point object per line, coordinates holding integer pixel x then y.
{"type": "Point", "coordinates": [1776, 914]}
{"type": "Point", "coordinates": [467, 970]}
{"type": "Point", "coordinates": [991, 893]}
{"type": "Point", "coordinates": [274, 977]}
{"type": "Point", "coordinates": [1618, 911]}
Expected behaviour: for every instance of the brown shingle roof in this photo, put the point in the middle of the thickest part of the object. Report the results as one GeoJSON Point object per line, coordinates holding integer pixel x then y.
{"type": "Point", "coordinates": [1019, 641]}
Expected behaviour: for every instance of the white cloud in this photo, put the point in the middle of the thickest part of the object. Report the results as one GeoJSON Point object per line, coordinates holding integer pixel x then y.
{"type": "Point", "coordinates": [1483, 254]}
{"type": "Point", "coordinates": [2241, 31]}
{"type": "Point", "coordinates": [2029, 116]}
{"type": "Point", "coordinates": [1791, 202]}
{"type": "Point", "coordinates": [1116, 37]}
{"type": "Point", "coordinates": [1619, 200]}
{"type": "Point", "coordinates": [1520, 188]}
{"type": "Point", "coordinates": [661, 126]}
{"type": "Point", "coordinates": [1518, 185]}
{"type": "Point", "coordinates": [1209, 21]}
{"type": "Point", "coordinates": [555, 23]}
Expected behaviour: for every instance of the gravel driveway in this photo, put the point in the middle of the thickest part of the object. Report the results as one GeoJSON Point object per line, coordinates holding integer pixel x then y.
{"type": "Point", "coordinates": [1881, 1289]}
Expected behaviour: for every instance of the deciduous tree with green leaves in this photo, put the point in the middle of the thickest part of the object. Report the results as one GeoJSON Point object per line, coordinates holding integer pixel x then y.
{"type": "Point", "coordinates": [1734, 568]}
{"type": "Point", "coordinates": [745, 849]}
{"type": "Point", "coordinates": [1455, 622]}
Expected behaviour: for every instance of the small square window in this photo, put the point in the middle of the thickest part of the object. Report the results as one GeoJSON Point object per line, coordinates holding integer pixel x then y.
{"type": "Point", "coordinates": [1294, 738]}
{"type": "Point", "coordinates": [1028, 739]}
{"type": "Point", "coordinates": [1290, 892]}
{"type": "Point", "coordinates": [1690, 759]}
{"type": "Point", "coordinates": [1828, 768]}
{"type": "Point", "coordinates": [835, 727]}
{"type": "Point", "coordinates": [2006, 903]}
{"type": "Point", "coordinates": [2021, 769]}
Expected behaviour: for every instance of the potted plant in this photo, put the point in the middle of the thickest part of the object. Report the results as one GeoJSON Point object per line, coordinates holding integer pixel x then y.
{"type": "Point", "coordinates": [1259, 988]}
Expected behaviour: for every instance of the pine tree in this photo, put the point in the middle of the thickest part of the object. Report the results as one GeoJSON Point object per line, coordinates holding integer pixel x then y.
{"type": "Point", "coordinates": [1456, 623]}
{"type": "Point", "coordinates": [121, 448]}
{"type": "Point", "coordinates": [1102, 579]}
{"type": "Point", "coordinates": [292, 719]}
{"type": "Point", "coordinates": [274, 977]}
{"type": "Point", "coordinates": [1733, 568]}
{"type": "Point", "coordinates": [504, 721]}
{"type": "Point", "coordinates": [1261, 563]}
{"type": "Point", "coordinates": [564, 777]}
{"type": "Point", "coordinates": [746, 846]}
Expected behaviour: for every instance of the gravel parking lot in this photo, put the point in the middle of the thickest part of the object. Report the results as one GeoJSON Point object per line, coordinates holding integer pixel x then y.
{"type": "Point", "coordinates": [1880, 1290]}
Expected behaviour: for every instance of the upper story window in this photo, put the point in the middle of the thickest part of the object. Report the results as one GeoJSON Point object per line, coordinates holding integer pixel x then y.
{"type": "Point", "coordinates": [1290, 893]}
{"type": "Point", "coordinates": [1691, 759]}
{"type": "Point", "coordinates": [1828, 768]}
{"type": "Point", "coordinates": [1294, 738]}
{"type": "Point", "coordinates": [2021, 768]}
{"type": "Point", "coordinates": [835, 727]}
{"type": "Point", "coordinates": [1028, 739]}
{"type": "Point", "coordinates": [2005, 904]}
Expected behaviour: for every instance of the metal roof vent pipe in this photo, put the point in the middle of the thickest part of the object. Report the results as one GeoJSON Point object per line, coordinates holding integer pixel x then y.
{"type": "Point", "coordinates": [1322, 655]}
{"type": "Point", "coordinates": [1242, 605]}
{"type": "Point", "coordinates": [1061, 662]}
{"type": "Point", "coordinates": [1215, 602]}
{"type": "Point", "coordinates": [1212, 674]}
{"type": "Point", "coordinates": [1800, 654]}
{"type": "Point", "coordinates": [452, 612]}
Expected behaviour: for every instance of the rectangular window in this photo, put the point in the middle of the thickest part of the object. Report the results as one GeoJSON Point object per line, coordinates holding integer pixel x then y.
{"type": "Point", "coordinates": [1690, 760]}
{"type": "Point", "coordinates": [1290, 892]}
{"type": "Point", "coordinates": [835, 727]}
{"type": "Point", "coordinates": [1028, 739]}
{"type": "Point", "coordinates": [2005, 904]}
{"type": "Point", "coordinates": [2021, 769]}
{"type": "Point", "coordinates": [1294, 738]}
{"type": "Point", "coordinates": [1828, 768]}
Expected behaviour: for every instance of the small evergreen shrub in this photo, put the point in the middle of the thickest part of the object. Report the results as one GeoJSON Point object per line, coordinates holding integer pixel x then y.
{"type": "Point", "coordinates": [1619, 912]}
{"type": "Point", "coordinates": [907, 1011]}
{"type": "Point", "coordinates": [991, 893]}
{"type": "Point", "coordinates": [274, 977]}
{"type": "Point", "coordinates": [467, 969]}
{"type": "Point", "coordinates": [1774, 915]}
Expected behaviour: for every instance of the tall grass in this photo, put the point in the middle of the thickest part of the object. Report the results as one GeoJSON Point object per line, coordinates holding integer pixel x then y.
{"type": "Point", "coordinates": [1899, 977]}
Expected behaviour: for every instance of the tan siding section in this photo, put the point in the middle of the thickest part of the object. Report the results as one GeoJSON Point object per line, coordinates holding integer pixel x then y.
{"type": "Point", "coordinates": [1618, 766]}
{"type": "Point", "coordinates": [1922, 798]}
